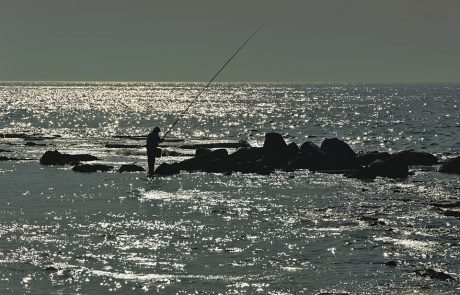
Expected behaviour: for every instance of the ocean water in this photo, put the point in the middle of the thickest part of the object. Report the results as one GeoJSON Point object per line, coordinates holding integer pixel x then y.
{"type": "Point", "coordinates": [63, 232]}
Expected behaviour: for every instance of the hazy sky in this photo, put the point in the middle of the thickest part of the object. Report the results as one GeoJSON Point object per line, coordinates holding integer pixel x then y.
{"type": "Point", "coordinates": [188, 40]}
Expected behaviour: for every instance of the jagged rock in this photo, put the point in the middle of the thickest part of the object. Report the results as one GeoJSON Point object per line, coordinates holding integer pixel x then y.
{"type": "Point", "coordinates": [451, 166]}
{"type": "Point", "coordinates": [92, 168]}
{"type": "Point", "coordinates": [130, 168]}
{"type": "Point", "coordinates": [367, 158]}
{"type": "Point", "coordinates": [274, 144]}
{"type": "Point", "coordinates": [434, 274]}
{"type": "Point", "coordinates": [56, 158]}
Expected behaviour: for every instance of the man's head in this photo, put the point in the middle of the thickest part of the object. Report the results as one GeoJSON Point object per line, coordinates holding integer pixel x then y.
{"type": "Point", "coordinates": [156, 129]}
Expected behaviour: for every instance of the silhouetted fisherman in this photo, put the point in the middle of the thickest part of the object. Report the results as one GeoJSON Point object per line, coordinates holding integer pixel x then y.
{"type": "Point", "coordinates": [153, 139]}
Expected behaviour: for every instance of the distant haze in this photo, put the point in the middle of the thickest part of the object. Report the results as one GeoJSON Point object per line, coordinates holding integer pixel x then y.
{"type": "Point", "coordinates": [188, 40]}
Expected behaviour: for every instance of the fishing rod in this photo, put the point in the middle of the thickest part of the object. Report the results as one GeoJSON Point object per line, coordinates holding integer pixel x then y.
{"type": "Point", "coordinates": [210, 81]}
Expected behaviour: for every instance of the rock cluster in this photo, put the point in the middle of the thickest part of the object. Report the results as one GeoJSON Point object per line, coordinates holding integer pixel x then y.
{"type": "Point", "coordinates": [334, 155]}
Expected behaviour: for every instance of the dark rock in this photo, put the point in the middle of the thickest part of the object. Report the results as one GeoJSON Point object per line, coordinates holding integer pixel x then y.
{"type": "Point", "coordinates": [56, 158]}
{"type": "Point", "coordinates": [167, 169]}
{"type": "Point", "coordinates": [395, 167]}
{"type": "Point", "coordinates": [8, 159]}
{"type": "Point", "coordinates": [339, 156]}
{"type": "Point", "coordinates": [4, 151]}
{"type": "Point", "coordinates": [337, 148]}
{"type": "Point", "coordinates": [219, 145]}
{"type": "Point", "coordinates": [130, 168]}
{"type": "Point", "coordinates": [293, 150]}
{"type": "Point", "coordinates": [434, 274]}
{"type": "Point", "coordinates": [274, 144]}
{"type": "Point", "coordinates": [92, 168]}
{"type": "Point", "coordinates": [247, 154]}
{"type": "Point", "coordinates": [202, 162]}
{"type": "Point", "coordinates": [451, 166]}
{"type": "Point", "coordinates": [391, 263]}
{"type": "Point", "coordinates": [367, 158]}
{"type": "Point", "coordinates": [451, 213]}
{"type": "Point", "coordinates": [257, 167]}
{"type": "Point", "coordinates": [310, 149]}
{"type": "Point", "coordinates": [201, 151]}
{"type": "Point", "coordinates": [414, 158]}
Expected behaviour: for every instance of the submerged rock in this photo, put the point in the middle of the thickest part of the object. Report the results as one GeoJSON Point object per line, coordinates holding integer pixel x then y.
{"type": "Point", "coordinates": [130, 168]}
{"type": "Point", "coordinates": [92, 168]}
{"type": "Point", "coordinates": [434, 274]}
{"type": "Point", "coordinates": [451, 166]}
{"type": "Point", "coordinates": [56, 158]}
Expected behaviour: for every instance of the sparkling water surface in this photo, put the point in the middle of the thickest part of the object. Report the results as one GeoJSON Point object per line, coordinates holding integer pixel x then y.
{"type": "Point", "coordinates": [63, 232]}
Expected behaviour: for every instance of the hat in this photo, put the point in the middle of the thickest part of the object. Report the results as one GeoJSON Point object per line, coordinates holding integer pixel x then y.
{"type": "Point", "coordinates": [157, 129]}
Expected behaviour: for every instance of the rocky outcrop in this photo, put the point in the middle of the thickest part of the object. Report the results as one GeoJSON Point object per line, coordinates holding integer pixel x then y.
{"type": "Point", "coordinates": [56, 158]}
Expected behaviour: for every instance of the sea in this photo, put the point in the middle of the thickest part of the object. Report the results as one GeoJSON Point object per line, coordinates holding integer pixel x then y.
{"type": "Point", "coordinates": [301, 232]}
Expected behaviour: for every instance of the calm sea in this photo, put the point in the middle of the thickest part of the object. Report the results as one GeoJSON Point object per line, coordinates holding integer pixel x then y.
{"type": "Point", "coordinates": [63, 232]}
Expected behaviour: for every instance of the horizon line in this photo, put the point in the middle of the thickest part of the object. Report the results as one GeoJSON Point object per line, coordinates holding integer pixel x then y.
{"type": "Point", "coordinates": [230, 82]}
